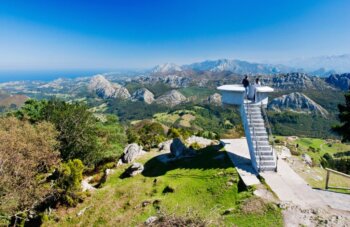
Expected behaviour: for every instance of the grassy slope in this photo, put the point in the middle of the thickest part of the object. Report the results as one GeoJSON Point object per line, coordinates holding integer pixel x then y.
{"type": "Point", "coordinates": [200, 186]}
{"type": "Point", "coordinates": [316, 176]}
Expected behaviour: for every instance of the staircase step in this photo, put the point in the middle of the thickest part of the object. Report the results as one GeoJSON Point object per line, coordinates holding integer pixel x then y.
{"type": "Point", "coordinates": [266, 149]}
{"type": "Point", "coordinates": [267, 168]}
{"type": "Point", "coordinates": [266, 163]}
{"type": "Point", "coordinates": [260, 138]}
{"type": "Point", "coordinates": [261, 143]}
{"type": "Point", "coordinates": [264, 157]}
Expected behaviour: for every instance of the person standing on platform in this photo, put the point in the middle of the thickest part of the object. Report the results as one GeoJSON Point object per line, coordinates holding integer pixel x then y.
{"type": "Point", "coordinates": [245, 83]}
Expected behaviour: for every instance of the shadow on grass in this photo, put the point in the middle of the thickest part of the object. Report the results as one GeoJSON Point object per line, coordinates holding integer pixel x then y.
{"type": "Point", "coordinates": [210, 157]}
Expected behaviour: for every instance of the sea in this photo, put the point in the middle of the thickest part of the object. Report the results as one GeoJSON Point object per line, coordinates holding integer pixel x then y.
{"type": "Point", "coordinates": [6, 76]}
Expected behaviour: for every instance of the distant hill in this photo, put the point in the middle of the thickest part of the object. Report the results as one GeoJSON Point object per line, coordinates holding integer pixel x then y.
{"type": "Point", "coordinates": [341, 81]}
{"type": "Point", "coordinates": [297, 102]}
{"type": "Point", "coordinates": [13, 101]}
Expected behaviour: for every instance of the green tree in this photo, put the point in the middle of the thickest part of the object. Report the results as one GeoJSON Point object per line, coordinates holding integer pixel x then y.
{"type": "Point", "coordinates": [344, 116]}
{"type": "Point", "coordinates": [77, 128]}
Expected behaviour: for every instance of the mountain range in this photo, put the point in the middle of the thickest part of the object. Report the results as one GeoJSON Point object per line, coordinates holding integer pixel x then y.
{"type": "Point", "coordinates": [318, 66]}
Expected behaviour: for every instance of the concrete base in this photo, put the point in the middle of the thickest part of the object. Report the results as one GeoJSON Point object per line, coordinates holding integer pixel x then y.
{"type": "Point", "coordinates": [238, 151]}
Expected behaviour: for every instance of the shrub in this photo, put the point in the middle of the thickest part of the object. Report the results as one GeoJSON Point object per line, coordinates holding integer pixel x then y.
{"type": "Point", "coordinates": [28, 154]}
{"type": "Point", "coordinates": [71, 175]}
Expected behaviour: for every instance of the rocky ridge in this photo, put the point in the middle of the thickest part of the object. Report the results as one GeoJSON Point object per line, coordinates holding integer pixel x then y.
{"type": "Point", "coordinates": [341, 81]}
{"type": "Point", "coordinates": [171, 98]}
{"type": "Point", "coordinates": [143, 95]}
{"type": "Point", "coordinates": [105, 89]}
{"type": "Point", "coordinates": [297, 102]}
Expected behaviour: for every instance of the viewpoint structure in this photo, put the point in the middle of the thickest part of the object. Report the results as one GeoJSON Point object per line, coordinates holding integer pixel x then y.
{"type": "Point", "coordinates": [255, 122]}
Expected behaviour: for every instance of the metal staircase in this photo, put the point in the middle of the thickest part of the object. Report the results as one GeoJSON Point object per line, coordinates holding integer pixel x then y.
{"type": "Point", "coordinates": [255, 123]}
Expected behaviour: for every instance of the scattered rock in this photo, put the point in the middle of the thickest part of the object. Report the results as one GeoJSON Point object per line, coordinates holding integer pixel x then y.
{"type": "Point", "coordinates": [109, 172]}
{"type": "Point", "coordinates": [307, 159]}
{"type": "Point", "coordinates": [151, 220]}
{"type": "Point", "coordinates": [131, 152]}
{"type": "Point", "coordinates": [284, 152]}
{"type": "Point", "coordinates": [82, 211]}
{"type": "Point", "coordinates": [215, 99]}
{"type": "Point", "coordinates": [165, 146]}
{"type": "Point", "coordinates": [133, 170]}
{"type": "Point", "coordinates": [86, 186]}
{"type": "Point", "coordinates": [146, 203]}
{"type": "Point", "coordinates": [143, 95]}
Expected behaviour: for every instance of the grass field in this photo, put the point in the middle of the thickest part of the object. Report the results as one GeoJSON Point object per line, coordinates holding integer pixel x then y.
{"type": "Point", "coordinates": [202, 187]}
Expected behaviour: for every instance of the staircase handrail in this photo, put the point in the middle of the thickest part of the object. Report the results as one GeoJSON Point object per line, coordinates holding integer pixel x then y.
{"type": "Point", "coordinates": [269, 132]}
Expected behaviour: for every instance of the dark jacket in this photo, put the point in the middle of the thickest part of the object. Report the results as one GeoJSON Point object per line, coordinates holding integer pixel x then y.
{"type": "Point", "coordinates": [245, 82]}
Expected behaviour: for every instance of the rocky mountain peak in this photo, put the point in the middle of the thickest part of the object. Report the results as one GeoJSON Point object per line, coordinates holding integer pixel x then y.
{"type": "Point", "coordinates": [341, 81]}
{"type": "Point", "coordinates": [166, 68]}
{"type": "Point", "coordinates": [105, 89]}
{"type": "Point", "coordinates": [171, 98]}
{"type": "Point", "coordinates": [143, 95]}
{"type": "Point", "coordinates": [297, 102]}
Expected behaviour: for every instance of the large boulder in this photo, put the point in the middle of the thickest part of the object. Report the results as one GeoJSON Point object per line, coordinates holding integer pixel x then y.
{"type": "Point", "coordinates": [143, 95]}
{"type": "Point", "coordinates": [131, 152]}
{"type": "Point", "coordinates": [165, 146]}
{"type": "Point", "coordinates": [202, 142]}
{"type": "Point", "coordinates": [133, 170]}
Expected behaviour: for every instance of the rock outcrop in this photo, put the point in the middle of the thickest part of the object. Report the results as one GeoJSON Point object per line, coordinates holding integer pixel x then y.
{"type": "Point", "coordinates": [131, 152]}
{"type": "Point", "coordinates": [202, 142]}
{"type": "Point", "coordinates": [341, 81]}
{"type": "Point", "coordinates": [215, 99]}
{"type": "Point", "coordinates": [174, 81]}
{"type": "Point", "coordinates": [143, 95]}
{"type": "Point", "coordinates": [297, 102]}
{"type": "Point", "coordinates": [165, 146]}
{"type": "Point", "coordinates": [105, 89]}
{"type": "Point", "coordinates": [133, 170]}
{"type": "Point", "coordinates": [171, 98]}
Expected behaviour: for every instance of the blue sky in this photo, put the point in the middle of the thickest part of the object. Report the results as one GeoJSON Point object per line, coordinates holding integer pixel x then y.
{"type": "Point", "coordinates": [107, 35]}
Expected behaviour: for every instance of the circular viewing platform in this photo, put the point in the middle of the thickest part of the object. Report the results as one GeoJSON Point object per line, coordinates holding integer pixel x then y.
{"type": "Point", "coordinates": [235, 94]}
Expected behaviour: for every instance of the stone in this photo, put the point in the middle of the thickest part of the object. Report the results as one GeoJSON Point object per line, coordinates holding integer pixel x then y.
{"type": "Point", "coordinates": [165, 146]}
{"type": "Point", "coordinates": [203, 142]}
{"type": "Point", "coordinates": [151, 220]}
{"type": "Point", "coordinates": [131, 152]}
{"type": "Point", "coordinates": [133, 170]}
{"type": "Point", "coordinates": [307, 159]}
{"type": "Point", "coordinates": [285, 152]}
{"type": "Point", "coordinates": [86, 186]}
